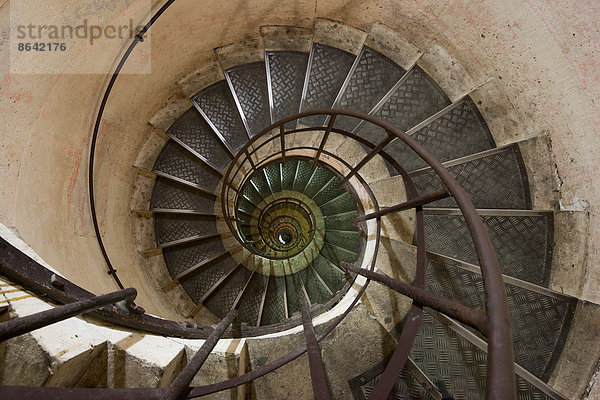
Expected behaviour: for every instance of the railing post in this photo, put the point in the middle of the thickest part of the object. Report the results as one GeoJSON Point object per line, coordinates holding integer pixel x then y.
{"type": "Point", "coordinates": [315, 362]}
{"type": "Point", "coordinates": [181, 384]}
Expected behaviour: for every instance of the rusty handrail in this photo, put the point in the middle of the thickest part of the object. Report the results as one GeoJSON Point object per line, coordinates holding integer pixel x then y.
{"type": "Point", "coordinates": [496, 321]}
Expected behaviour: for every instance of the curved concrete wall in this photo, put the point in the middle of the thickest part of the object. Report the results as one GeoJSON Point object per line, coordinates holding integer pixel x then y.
{"type": "Point", "coordinates": [541, 57]}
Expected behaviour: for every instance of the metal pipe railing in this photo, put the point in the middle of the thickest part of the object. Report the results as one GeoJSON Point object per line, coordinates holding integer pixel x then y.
{"type": "Point", "coordinates": [21, 325]}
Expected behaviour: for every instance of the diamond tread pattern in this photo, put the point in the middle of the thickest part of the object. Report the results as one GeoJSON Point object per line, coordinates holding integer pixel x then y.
{"type": "Point", "coordinates": [317, 293]}
{"type": "Point", "coordinates": [172, 195]}
{"type": "Point", "coordinates": [273, 176]}
{"type": "Point", "coordinates": [194, 131]}
{"type": "Point", "coordinates": [287, 69]}
{"type": "Point", "coordinates": [372, 79]}
{"type": "Point", "coordinates": [463, 125]}
{"type": "Point", "coordinates": [349, 240]}
{"type": "Point", "coordinates": [180, 258]}
{"type": "Point", "coordinates": [305, 170]}
{"type": "Point", "coordinates": [523, 244]}
{"type": "Point", "coordinates": [249, 82]}
{"type": "Point", "coordinates": [329, 192]}
{"type": "Point", "coordinates": [407, 387]}
{"type": "Point", "coordinates": [222, 299]}
{"type": "Point", "coordinates": [200, 283]}
{"type": "Point", "coordinates": [328, 70]}
{"type": "Point", "coordinates": [342, 222]}
{"type": "Point", "coordinates": [249, 305]}
{"type": "Point", "coordinates": [216, 101]}
{"type": "Point", "coordinates": [274, 311]}
{"type": "Point", "coordinates": [334, 278]}
{"type": "Point", "coordinates": [414, 101]}
{"type": "Point", "coordinates": [175, 227]}
{"type": "Point", "coordinates": [288, 171]}
{"type": "Point", "coordinates": [174, 161]}
{"type": "Point", "coordinates": [537, 320]}
{"type": "Point", "coordinates": [494, 181]}
{"type": "Point", "coordinates": [457, 367]}
{"type": "Point", "coordinates": [319, 179]}
{"type": "Point", "coordinates": [338, 205]}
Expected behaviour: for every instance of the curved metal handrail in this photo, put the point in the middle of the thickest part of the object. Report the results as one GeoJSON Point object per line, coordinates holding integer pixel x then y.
{"type": "Point", "coordinates": [494, 321]}
{"type": "Point", "coordinates": [495, 324]}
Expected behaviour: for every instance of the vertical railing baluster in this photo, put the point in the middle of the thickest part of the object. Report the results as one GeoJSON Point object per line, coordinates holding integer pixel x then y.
{"type": "Point", "coordinates": [181, 385]}
{"type": "Point", "coordinates": [315, 361]}
{"type": "Point", "coordinates": [282, 138]}
{"type": "Point", "coordinates": [368, 158]}
{"type": "Point", "coordinates": [325, 137]}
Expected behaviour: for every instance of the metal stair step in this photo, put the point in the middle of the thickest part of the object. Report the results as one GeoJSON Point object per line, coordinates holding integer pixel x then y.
{"type": "Point", "coordinates": [249, 87]}
{"type": "Point", "coordinates": [493, 179]}
{"type": "Point", "coordinates": [371, 77]}
{"type": "Point", "coordinates": [286, 71]}
{"type": "Point", "coordinates": [327, 69]}
{"type": "Point", "coordinates": [219, 108]}
{"type": "Point", "coordinates": [523, 240]}
{"type": "Point", "coordinates": [415, 99]}
{"type": "Point", "coordinates": [192, 130]}
{"type": "Point", "coordinates": [177, 162]}
{"type": "Point", "coordinates": [539, 321]}
{"type": "Point", "coordinates": [170, 228]}
{"type": "Point", "coordinates": [456, 133]}
{"type": "Point", "coordinates": [171, 195]}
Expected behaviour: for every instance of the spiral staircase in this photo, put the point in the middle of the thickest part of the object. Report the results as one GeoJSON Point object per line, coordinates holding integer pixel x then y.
{"type": "Point", "coordinates": [273, 224]}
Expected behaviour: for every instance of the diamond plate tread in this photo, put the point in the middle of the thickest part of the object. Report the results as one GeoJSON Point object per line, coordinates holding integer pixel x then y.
{"type": "Point", "coordinates": [201, 282]}
{"type": "Point", "coordinates": [317, 293]}
{"type": "Point", "coordinates": [180, 258]}
{"type": "Point", "coordinates": [336, 254]}
{"type": "Point", "coordinates": [274, 311]}
{"type": "Point", "coordinates": [222, 299]}
{"type": "Point", "coordinates": [251, 194]}
{"type": "Point", "coordinates": [287, 69]}
{"type": "Point", "coordinates": [538, 321]}
{"type": "Point", "coordinates": [261, 184]}
{"type": "Point", "coordinates": [319, 179]}
{"type": "Point", "coordinates": [305, 170]}
{"type": "Point", "coordinates": [341, 222]}
{"type": "Point", "coordinates": [293, 290]}
{"type": "Point", "coordinates": [495, 181]}
{"type": "Point", "coordinates": [216, 101]}
{"type": "Point", "coordinates": [455, 134]}
{"type": "Point", "coordinates": [288, 170]}
{"type": "Point", "coordinates": [194, 131]}
{"type": "Point", "coordinates": [523, 244]}
{"type": "Point", "coordinates": [373, 77]}
{"type": "Point", "coordinates": [328, 70]}
{"type": "Point", "coordinates": [245, 206]}
{"type": "Point", "coordinates": [339, 205]}
{"type": "Point", "coordinates": [172, 195]}
{"type": "Point", "coordinates": [249, 305]}
{"type": "Point", "coordinates": [274, 176]}
{"type": "Point", "coordinates": [329, 192]}
{"type": "Point", "coordinates": [371, 132]}
{"type": "Point", "coordinates": [456, 366]}
{"type": "Point", "coordinates": [349, 240]}
{"type": "Point", "coordinates": [414, 101]}
{"type": "Point", "coordinates": [174, 161]}
{"type": "Point", "coordinates": [334, 278]}
{"type": "Point", "coordinates": [406, 388]}
{"type": "Point", "coordinates": [249, 82]}
{"type": "Point", "coordinates": [169, 228]}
